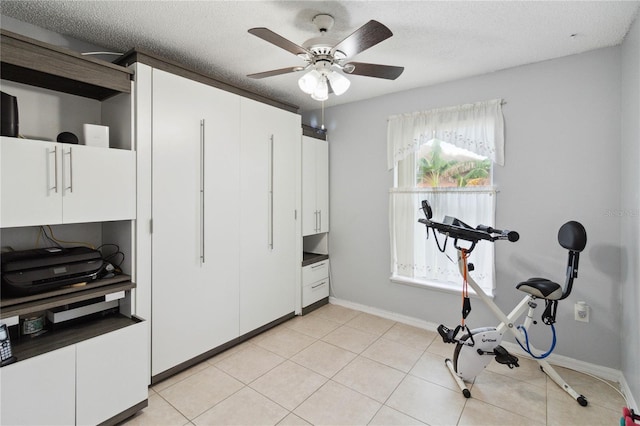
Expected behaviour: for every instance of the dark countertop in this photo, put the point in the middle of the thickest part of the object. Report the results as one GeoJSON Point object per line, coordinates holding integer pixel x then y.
{"type": "Point", "coordinates": [311, 258]}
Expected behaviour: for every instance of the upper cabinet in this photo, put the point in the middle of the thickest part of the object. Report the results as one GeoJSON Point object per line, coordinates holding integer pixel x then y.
{"type": "Point", "coordinates": [53, 183]}
{"type": "Point", "coordinates": [315, 186]}
{"type": "Point", "coordinates": [46, 182]}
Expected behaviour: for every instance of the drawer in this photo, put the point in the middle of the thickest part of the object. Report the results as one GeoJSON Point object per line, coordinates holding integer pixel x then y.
{"type": "Point", "coordinates": [315, 272]}
{"type": "Point", "coordinates": [313, 292]}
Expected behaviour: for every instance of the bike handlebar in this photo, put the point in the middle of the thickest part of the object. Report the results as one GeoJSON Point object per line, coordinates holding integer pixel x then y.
{"type": "Point", "coordinates": [458, 230]}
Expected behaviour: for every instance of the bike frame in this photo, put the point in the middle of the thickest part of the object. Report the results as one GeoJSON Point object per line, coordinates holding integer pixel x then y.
{"type": "Point", "coordinates": [507, 323]}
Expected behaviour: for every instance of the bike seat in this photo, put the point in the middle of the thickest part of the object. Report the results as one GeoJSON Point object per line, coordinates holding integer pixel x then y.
{"type": "Point", "coordinates": [541, 287]}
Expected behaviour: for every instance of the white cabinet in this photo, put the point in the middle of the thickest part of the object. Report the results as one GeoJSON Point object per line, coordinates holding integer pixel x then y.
{"type": "Point", "coordinates": [315, 186]}
{"type": "Point", "coordinates": [40, 390]}
{"type": "Point", "coordinates": [85, 383]}
{"type": "Point", "coordinates": [54, 183]}
{"type": "Point", "coordinates": [109, 368]}
{"type": "Point", "coordinates": [195, 207]}
{"type": "Point", "coordinates": [218, 255]}
{"type": "Point", "coordinates": [269, 144]}
{"type": "Point", "coordinates": [315, 282]}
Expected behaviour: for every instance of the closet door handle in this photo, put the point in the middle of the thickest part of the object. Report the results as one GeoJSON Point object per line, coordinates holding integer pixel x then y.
{"type": "Point", "coordinates": [70, 154]}
{"type": "Point", "coordinates": [55, 168]}
{"type": "Point", "coordinates": [270, 196]}
{"type": "Point", "coordinates": [202, 192]}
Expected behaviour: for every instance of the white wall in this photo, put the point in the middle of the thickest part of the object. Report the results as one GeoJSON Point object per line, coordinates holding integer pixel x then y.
{"type": "Point", "coordinates": [562, 163]}
{"type": "Point", "coordinates": [630, 209]}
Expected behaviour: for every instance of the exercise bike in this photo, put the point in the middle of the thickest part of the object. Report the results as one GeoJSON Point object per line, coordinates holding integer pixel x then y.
{"type": "Point", "coordinates": [476, 348]}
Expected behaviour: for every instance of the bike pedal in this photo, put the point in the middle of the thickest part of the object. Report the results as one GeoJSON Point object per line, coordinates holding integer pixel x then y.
{"type": "Point", "coordinates": [504, 357]}
{"type": "Point", "coordinates": [446, 334]}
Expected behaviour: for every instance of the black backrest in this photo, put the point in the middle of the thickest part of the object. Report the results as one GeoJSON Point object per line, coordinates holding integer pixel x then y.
{"type": "Point", "coordinates": [572, 236]}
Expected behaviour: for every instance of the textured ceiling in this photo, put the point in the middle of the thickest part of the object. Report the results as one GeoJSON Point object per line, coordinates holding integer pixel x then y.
{"type": "Point", "coordinates": [436, 41]}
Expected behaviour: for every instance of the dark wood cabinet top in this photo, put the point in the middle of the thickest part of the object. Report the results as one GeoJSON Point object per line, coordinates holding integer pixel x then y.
{"type": "Point", "coordinates": [29, 61]}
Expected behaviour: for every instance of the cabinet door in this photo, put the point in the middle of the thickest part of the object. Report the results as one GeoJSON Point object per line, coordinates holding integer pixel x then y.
{"type": "Point", "coordinates": [322, 184]}
{"type": "Point", "coordinates": [31, 185]}
{"type": "Point", "coordinates": [309, 205]}
{"type": "Point", "coordinates": [315, 186]}
{"type": "Point", "coordinates": [194, 240]}
{"type": "Point", "coordinates": [39, 390]}
{"type": "Point", "coordinates": [269, 141]}
{"type": "Point", "coordinates": [111, 374]}
{"type": "Point", "coordinates": [98, 184]}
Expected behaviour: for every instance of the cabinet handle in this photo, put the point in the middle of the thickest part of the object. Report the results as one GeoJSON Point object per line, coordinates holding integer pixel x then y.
{"type": "Point", "coordinates": [318, 265]}
{"type": "Point", "coordinates": [315, 228]}
{"type": "Point", "coordinates": [320, 221]}
{"type": "Point", "coordinates": [202, 188]}
{"type": "Point", "coordinates": [70, 187]}
{"type": "Point", "coordinates": [318, 285]}
{"type": "Point", "coordinates": [55, 168]}
{"type": "Point", "coordinates": [270, 195]}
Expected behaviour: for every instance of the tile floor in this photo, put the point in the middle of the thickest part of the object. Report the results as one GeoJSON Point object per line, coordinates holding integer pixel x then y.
{"type": "Point", "coordinates": [338, 366]}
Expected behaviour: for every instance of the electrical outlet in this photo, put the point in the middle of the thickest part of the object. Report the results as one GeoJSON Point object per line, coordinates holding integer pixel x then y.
{"type": "Point", "coordinates": [581, 311]}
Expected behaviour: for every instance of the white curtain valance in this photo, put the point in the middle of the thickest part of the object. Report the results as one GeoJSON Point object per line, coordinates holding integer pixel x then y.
{"type": "Point", "coordinates": [478, 127]}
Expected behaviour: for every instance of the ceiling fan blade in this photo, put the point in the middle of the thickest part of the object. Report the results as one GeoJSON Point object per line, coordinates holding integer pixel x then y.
{"type": "Point", "coordinates": [370, 34]}
{"type": "Point", "coordinates": [273, 38]}
{"type": "Point", "coordinates": [275, 72]}
{"type": "Point", "coordinates": [373, 70]}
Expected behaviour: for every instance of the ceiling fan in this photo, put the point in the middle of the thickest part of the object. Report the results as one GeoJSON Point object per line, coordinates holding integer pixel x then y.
{"type": "Point", "coordinates": [325, 57]}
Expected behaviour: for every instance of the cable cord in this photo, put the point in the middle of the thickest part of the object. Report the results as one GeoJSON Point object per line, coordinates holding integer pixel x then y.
{"type": "Point", "coordinates": [58, 241]}
{"type": "Point", "coordinates": [527, 349]}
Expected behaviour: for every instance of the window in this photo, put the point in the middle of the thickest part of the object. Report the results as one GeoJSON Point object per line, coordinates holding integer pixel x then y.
{"type": "Point", "coordinates": [443, 164]}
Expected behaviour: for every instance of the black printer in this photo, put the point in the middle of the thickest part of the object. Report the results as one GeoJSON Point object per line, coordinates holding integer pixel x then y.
{"type": "Point", "coordinates": [38, 270]}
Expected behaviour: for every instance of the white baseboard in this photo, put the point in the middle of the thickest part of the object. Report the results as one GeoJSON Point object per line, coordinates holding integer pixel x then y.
{"type": "Point", "coordinates": [559, 360]}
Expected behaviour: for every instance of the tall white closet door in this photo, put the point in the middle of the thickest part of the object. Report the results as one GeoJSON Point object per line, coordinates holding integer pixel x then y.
{"type": "Point", "coordinates": [194, 294]}
{"type": "Point", "coordinates": [270, 141]}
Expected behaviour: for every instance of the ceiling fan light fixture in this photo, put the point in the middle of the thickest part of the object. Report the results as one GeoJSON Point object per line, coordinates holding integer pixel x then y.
{"type": "Point", "coordinates": [322, 90]}
{"type": "Point", "coordinates": [339, 83]}
{"type": "Point", "coordinates": [309, 82]}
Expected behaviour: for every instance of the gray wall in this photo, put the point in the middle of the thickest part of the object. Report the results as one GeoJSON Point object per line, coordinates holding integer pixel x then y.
{"type": "Point", "coordinates": [630, 209]}
{"type": "Point", "coordinates": [562, 163]}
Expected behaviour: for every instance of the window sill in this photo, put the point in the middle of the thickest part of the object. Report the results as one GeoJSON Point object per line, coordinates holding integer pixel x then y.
{"type": "Point", "coordinates": [436, 285]}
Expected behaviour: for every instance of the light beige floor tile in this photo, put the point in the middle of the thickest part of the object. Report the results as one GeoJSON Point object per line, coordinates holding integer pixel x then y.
{"type": "Point", "coordinates": [289, 384]}
{"type": "Point", "coordinates": [249, 363]}
{"type": "Point", "coordinates": [285, 342]}
{"type": "Point", "coordinates": [323, 358]}
{"type": "Point", "coordinates": [350, 339]}
{"type": "Point", "coordinates": [510, 394]}
{"type": "Point", "coordinates": [293, 420]}
{"type": "Point", "coordinates": [393, 354]}
{"type": "Point", "coordinates": [478, 413]}
{"type": "Point", "coordinates": [246, 407]}
{"type": "Point", "coordinates": [336, 313]}
{"type": "Point", "coordinates": [388, 416]}
{"type": "Point", "coordinates": [334, 404]}
{"type": "Point", "coordinates": [563, 410]}
{"type": "Point", "coordinates": [371, 378]}
{"type": "Point", "coordinates": [596, 391]}
{"type": "Point", "coordinates": [427, 402]}
{"type": "Point", "coordinates": [438, 347]}
{"type": "Point", "coordinates": [410, 336]}
{"type": "Point", "coordinates": [158, 413]}
{"type": "Point", "coordinates": [431, 367]}
{"type": "Point", "coordinates": [371, 324]}
{"type": "Point", "coordinates": [180, 376]}
{"type": "Point", "coordinates": [199, 392]}
{"type": "Point", "coordinates": [312, 325]}
{"type": "Point", "coordinates": [232, 350]}
{"type": "Point", "coordinates": [528, 371]}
